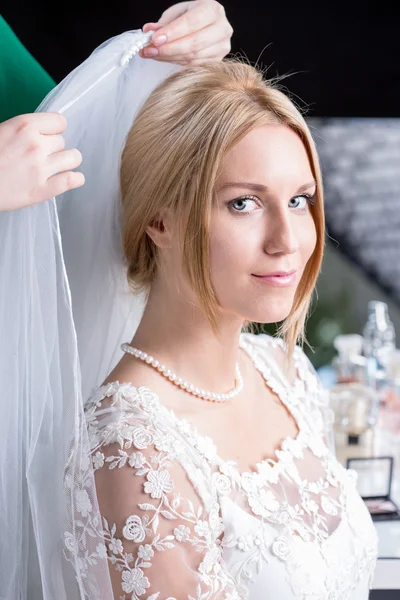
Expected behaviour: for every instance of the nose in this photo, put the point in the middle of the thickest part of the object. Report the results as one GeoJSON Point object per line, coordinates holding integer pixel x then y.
{"type": "Point", "coordinates": [281, 236]}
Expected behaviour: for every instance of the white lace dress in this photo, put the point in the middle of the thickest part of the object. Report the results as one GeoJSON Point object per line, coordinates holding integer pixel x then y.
{"type": "Point", "coordinates": [181, 523]}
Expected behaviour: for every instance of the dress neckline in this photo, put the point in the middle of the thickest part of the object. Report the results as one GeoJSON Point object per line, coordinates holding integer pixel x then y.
{"type": "Point", "coordinates": [287, 393]}
{"type": "Point", "coordinates": [289, 446]}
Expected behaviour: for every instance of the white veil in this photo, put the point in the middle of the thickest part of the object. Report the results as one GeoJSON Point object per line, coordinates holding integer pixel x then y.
{"type": "Point", "coordinates": [64, 310]}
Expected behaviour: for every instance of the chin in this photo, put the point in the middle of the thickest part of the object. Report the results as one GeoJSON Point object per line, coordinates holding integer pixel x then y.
{"type": "Point", "coordinates": [259, 310]}
{"type": "Point", "coordinates": [273, 313]}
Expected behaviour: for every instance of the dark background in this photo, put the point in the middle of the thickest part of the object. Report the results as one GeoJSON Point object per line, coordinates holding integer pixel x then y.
{"type": "Point", "coordinates": [345, 56]}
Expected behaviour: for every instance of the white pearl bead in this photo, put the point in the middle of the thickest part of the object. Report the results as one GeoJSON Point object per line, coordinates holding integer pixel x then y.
{"type": "Point", "coordinates": [184, 385]}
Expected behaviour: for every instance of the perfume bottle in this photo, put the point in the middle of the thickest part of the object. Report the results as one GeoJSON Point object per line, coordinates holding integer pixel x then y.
{"type": "Point", "coordinates": [379, 334]}
{"type": "Point", "coordinates": [378, 348]}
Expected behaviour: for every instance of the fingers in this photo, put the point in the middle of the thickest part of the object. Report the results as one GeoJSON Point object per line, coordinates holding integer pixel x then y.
{"type": "Point", "coordinates": [53, 143]}
{"type": "Point", "coordinates": [175, 11]}
{"type": "Point", "coordinates": [195, 17]}
{"type": "Point", "coordinates": [63, 182]}
{"type": "Point", "coordinates": [34, 165]}
{"type": "Point", "coordinates": [62, 177]}
{"type": "Point", "coordinates": [151, 27]}
{"type": "Point", "coordinates": [67, 160]}
{"type": "Point", "coordinates": [51, 123]}
{"type": "Point", "coordinates": [167, 17]}
{"type": "Point", "coordinates": [148, 27]}
{"type": "Point", "coordinates": [191, 33]}
{"type": "Point", "coordinates": [193, 44]}
{"type": "Point", "coordinates": [44, 123]}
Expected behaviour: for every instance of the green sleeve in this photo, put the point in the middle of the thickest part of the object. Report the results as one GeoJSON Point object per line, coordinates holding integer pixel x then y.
{"type": "Point", "coordinates": [23, 82]}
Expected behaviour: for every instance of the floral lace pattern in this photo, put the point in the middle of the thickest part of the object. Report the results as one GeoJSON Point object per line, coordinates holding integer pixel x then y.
{"type": "Point", "coordinates": [222, 529]}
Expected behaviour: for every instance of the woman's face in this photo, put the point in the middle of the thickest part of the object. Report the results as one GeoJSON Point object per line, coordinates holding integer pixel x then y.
{"type": "Point", "coordinates": [262, 232]}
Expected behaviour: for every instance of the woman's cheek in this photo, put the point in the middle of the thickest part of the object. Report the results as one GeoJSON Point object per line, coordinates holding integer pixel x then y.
{"type": "Point", "coordinates": [308, 238]}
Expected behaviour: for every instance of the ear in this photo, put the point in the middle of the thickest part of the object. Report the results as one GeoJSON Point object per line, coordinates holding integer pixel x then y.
{"type": "Point", "coordinates": [161, 229]}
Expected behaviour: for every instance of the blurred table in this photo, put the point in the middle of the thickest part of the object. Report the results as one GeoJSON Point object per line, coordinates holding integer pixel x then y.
{"type": "Point", "coordinates": [381, 442]}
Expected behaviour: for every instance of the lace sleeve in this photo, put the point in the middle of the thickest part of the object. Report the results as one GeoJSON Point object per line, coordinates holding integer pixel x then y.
{"type": "Point", "coordinates": [161, 540]}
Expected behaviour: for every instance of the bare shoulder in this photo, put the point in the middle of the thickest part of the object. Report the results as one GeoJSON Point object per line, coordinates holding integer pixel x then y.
{"type": "Point", "coordinates": [141, 375]}
{"type": "Point", "coordinates": [132, 371]}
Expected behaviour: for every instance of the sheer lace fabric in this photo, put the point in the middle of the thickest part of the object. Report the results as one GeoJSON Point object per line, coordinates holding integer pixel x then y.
{"type": "Point", "coordinates": [181, 522]}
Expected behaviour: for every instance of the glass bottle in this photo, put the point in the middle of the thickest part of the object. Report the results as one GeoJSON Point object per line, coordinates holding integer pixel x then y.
{"type": "Point", "coordinates": [378, 346]}
{"type": "Point", "coordinates": [379, 334]}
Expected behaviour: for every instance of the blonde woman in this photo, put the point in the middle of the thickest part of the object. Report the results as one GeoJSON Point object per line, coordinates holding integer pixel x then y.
{"type": "Point", "coordinates": [213, 470]}
{"type": "Point", "coordinates": [200, 465]}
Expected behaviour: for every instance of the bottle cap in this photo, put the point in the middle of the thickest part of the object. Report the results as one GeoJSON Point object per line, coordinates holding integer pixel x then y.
{"type": "Point", "coordinates": [348, 344]}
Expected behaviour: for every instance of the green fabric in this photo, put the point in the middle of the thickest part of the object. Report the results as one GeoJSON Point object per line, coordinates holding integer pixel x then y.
{"type": "Point", "coordinates": [23, 82]}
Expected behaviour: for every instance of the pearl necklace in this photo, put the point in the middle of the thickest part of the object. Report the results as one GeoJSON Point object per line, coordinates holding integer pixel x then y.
{"type": "Point", "coordinates": [185, 385]}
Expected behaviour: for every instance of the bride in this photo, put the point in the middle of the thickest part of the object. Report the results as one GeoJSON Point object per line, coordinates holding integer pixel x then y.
{"type": "Point", "coordinates": [203, 467]}
{"type": "Point", "coordinates": [212, 471]}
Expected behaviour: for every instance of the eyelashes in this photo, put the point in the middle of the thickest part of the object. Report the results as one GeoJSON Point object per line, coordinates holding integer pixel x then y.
{"type": "Point", "coordinates": [308, 197]}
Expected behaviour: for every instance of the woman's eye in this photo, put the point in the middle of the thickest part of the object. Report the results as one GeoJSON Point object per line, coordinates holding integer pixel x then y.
{"type": "Point", "coordinates": [301, 201]}
{"type": "Point", "coordinates": [243, 204]}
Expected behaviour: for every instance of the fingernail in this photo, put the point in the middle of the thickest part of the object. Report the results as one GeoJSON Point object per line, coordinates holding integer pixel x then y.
{"type": "Point", "coordinates": [150, 52]}
{"type": "Point", "coordinates": [159, 39]}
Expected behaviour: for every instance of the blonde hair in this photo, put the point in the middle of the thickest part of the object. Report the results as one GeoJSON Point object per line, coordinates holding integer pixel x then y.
{"type": "Point", "coordinates": [171, 160]}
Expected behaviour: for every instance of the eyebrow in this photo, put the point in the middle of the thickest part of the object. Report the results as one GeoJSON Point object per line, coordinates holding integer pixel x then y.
{"type": "Point", "coordinates": [258, 187]}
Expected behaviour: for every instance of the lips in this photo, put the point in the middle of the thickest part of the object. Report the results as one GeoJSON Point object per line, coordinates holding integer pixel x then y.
{"type": "Point", "coordinates": [278, 274]}
{"type": "Point", "coordinates": [278, 278]}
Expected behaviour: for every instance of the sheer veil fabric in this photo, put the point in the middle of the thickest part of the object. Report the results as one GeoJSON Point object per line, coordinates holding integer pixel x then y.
{"type": "Point", "coordinates": [65, 308]}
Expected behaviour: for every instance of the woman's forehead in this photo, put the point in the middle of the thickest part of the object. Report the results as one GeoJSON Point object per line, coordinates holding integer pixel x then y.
{"type": "Point", "coordinates": [265, 157]}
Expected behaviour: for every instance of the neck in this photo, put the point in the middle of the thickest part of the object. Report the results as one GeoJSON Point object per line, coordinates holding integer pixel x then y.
{"type": "Point", "coordinates": [176, 332]}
